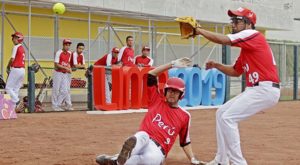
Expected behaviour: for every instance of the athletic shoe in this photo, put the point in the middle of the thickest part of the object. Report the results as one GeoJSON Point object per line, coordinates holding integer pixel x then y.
{"type": "Point", "coordinates": [106, 160]}
{"type": "Point", "coordinates": [214, 162]}
{"type": "Point", "coordinates": [57, 109]}
{"type": "Point", "coordinates": [127, 148]}
{"type": "Point", "coordinates": [67, 108]}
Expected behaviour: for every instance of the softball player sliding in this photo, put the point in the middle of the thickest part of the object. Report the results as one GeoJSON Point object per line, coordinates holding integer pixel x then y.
{"type": "Point", "coordinates": [257, 61]}
{"type": "Point", "coordinates": [16, 68]}
{"type": "Point", "coordinates": [160, 126]}
{"type": "Point", "coordinates": [61, 78]}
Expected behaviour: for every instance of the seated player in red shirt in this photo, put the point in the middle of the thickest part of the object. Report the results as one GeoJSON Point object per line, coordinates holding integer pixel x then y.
{"type": "Point", "coordinates": [144, 60]}
{"type": "Point", "coordinates": [160, 126]}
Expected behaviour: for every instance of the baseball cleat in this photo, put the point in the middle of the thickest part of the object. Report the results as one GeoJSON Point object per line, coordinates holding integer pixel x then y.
{"type": "Point", "coordinates": [106, 160]}
{"type": "Point", "coordinates": [57, 109]}
{"type": "Point", "coordinates": [127, 148]}
{"type": "Point", "coordinates": [214, 162]}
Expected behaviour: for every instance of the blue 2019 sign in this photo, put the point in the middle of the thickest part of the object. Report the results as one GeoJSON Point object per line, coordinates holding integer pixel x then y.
{"type": "Point", "coordinates": [203, 87]}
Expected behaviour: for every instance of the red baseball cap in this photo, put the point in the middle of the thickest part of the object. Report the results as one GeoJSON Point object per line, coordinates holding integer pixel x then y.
{"type": "Point", "coordinates": [115, 50]}
{"type": "Point", "coordinates": [243, 12]}
{"type": "Point", "coordinates": [67, 41]}
{"type": "Point", "coordinates": [146, 48]}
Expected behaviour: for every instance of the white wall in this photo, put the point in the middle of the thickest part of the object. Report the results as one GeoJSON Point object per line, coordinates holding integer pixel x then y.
{"type": "Point", "coordinates": [294, 33]}
{"type": "Point", "coordinates": [214, 11]}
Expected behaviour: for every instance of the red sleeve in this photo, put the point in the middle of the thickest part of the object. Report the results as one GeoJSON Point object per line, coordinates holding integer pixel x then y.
{"type": "Point", "coordinates": [241, 38]}
{"type": "Point", "coordinates": [238, 66]}
{"type": "Point", "coordinates": [184, 134]}
{"type": "Point", "coordinates": [153, 94]}
{"type": "Point", "coordinates": [101, 61]}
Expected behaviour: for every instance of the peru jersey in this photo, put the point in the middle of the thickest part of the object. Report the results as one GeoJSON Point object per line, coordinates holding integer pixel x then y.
{"type": "Point", "coordinates": [107, 60]}
{"type": "Point", "coordinates": [256, 57]}
{"type": "Point", "coordinates": [143, 60]}
{"type": "Point", "coordinates": [18, 54]}
{"type": "Point", "coordinates": [126, 56]}
{"type": "Point", "coordinates": [77, 59]}
{"type": "Point", "coordinates": [164, 123]}
{"type": "Point", "coordinates": [62, 58]}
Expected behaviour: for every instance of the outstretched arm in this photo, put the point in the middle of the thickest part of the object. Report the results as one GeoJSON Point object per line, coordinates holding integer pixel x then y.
{"type": "Point", "coordinates": [214, 37]}
{"type": "Point", "coordinates": [226, 69]}
{"type": "Point", "coordinates": [179, 63]}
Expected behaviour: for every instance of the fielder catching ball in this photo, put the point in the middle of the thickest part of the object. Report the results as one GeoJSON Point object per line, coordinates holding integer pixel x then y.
{"type": "Point", "coordinates": [160, 126]}
{"type": "Point", "coordinates": [256, 60]}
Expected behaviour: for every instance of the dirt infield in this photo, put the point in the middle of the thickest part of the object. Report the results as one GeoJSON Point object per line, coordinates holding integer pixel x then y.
{"type": "Point", "coordinates": [75, 138]}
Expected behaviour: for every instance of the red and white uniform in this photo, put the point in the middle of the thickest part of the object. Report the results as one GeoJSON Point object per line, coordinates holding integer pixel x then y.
{"type": "Point", "coordinates": [164, 123]}
{"type": "Point", "coordinates": [18, 53]}
{"type": "Point", "coordinates": [63, 58]}
{"type": "Point", "coordinates": [262, 92]}
{"type": "Point", "coordinates": [159, 129]}
{"type": "Point", "coordinates": [107, 60]}
{"type": "Point", "coordinates": [143, 61]}
{"type": "Point", "coordinates": [77, 59]}
{"type": "Point", "coordinates": [256, 58]}
{"type": "Point", "coordinates": [17, 73]}
{"type": "Point", "coordinates": [61, 80]}
{"type": "Point", "coordinates": [126, 56]}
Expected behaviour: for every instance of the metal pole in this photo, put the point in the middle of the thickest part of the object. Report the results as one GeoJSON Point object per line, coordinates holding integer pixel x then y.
{"type": "Point", "coordinates": [29, 32]}
{"type": "Point", "coordinates": [226, 60]}
{"type": "Point", "coordinates": [2, 38]}
{"type": "Point", "coordinates": [295, 94]}
{"type": "Point", "coordinates": [56, 36]}
{"type": "Point", "coordinates": [108, 34]}
{"type": "Point", "coordinates": [165, 50]}
{"type": "Point", "coordinates": [89, 38]}
{"type": "Point", "coordinates": [149, 36]}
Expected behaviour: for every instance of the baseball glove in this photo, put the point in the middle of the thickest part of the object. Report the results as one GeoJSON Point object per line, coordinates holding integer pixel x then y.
{"type": "Point", "coordinates": [187, 26]}
{"type": "Point", "coordinates": [35, 67]}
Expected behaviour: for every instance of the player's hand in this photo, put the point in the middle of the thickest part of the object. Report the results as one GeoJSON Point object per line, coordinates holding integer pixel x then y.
{"type": "Point", "coordinates": [210, 65]}
{"type": "Point", "coordinates": [181, 62]}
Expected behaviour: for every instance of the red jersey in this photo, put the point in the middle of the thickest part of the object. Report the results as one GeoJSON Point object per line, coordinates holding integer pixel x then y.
{"type": "Point", "coordinates": [143, 60]}
{"type": "Point", "coordinates": [126, 56]}
{"type": "Point", "coordinates": [18, 54]}
{"type": "Point", "coordinates": [62, 58]}
{"type": "Point", "coordinates": [107, 60]}
{"type": "Point", "coordinates": [77, 59]}
{"type": "Point", "coordinates": [164, 123]}
{"type": "Point", "coordinates": [256, 57]}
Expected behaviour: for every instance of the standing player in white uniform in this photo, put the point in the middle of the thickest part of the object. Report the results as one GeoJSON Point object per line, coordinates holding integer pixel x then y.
{"type": "Point", "coordinates": [61, 78]}
{"type": "Point", "coordinates": [160, 126]}
{"type": "Point", "coordinates": [257, 62]}
{"type": "Point", "coordinates": [16, 68]}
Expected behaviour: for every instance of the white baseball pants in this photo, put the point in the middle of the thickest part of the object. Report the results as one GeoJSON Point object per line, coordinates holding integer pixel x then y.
{"type": "Point", "coordinates": [14, 83]}
{"type": "Point", "coordinates": [248, 103]}
{"type": "Point", "coordinates": [108, 94]}
{"type": "Point", "coordinates": [61, 88]}
{"type": "Point", "coordinates": [145, 151]}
